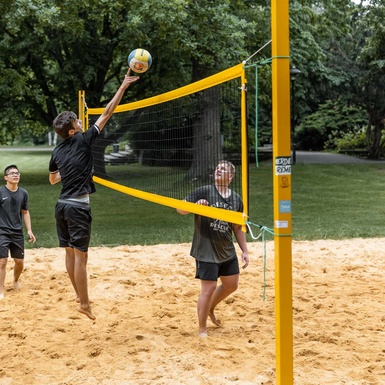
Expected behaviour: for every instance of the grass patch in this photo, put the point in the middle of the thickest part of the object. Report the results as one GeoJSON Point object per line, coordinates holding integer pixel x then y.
{"type": "Point", "coordinates": [338, 201]}
{"type": "Point", "coordinates": [328, 202]}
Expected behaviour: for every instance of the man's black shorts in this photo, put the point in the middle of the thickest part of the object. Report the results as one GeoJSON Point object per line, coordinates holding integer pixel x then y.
{"type": "Point", "coordinates": [73, 225]}
{"type": "Point", "coordinates": [14, 243]}
{"type": "Point", "coordinates": [212, 271]}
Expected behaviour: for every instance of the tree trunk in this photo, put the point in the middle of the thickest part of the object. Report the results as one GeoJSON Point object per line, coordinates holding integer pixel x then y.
{"type": "Point", "coordinates": [374, 136]}
{"type": "Point", "coordinates": [207, 148]}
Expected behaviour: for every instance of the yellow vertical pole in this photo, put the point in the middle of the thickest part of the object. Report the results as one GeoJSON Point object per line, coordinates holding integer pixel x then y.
{"type": "Point", "coordinates": [82, 108]}
{"type": "Point", "coordinates": [282, 191]}
{"type": "Point", "coordinates": [245, 150]}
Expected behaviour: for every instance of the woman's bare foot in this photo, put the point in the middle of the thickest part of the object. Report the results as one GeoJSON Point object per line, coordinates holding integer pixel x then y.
{"type": "Point", "coordinates": [203, 335]}
{"type": "Point", "coordinates": [214, 319]}
{"type": "Point", "coordinates": [86, 311]}
{"type": "Point", "coordinates": [1, 295]}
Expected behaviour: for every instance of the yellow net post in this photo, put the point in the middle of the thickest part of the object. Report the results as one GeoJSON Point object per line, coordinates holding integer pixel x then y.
{"type": "Point", "coordinates": [282, 191]}
{"type": "Point", "coordinates": [245, 150]}
{"type": "Point", "coordinates": [82, 108]}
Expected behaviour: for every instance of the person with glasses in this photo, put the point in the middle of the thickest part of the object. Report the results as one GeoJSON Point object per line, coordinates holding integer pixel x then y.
{"type": "Point", "coordinates": [72, 164]}
{"type": "Point", "coordinates": [13, 211]}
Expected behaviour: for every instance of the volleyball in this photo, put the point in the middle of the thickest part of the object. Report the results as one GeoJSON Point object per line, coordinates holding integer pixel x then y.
{"type": "Point", "coordinates": [139, 60]}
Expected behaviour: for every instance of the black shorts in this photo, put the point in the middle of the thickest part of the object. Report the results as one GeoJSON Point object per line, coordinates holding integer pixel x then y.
{"type": "Point", "coordinates": [212, 271]}
{"type": "Point", "coordinates": [73, 225]}
{"type": "Point", "coordinates": [14, 243]}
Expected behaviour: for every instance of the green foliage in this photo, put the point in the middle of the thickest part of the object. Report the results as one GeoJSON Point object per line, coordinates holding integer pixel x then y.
{"type": "Point", "coordinates": [347, 65]}
{"type": "Point", "coordinates": [49, 51]}
{"type": "Point", "coordinates": [351, 141]}
{"type": "Point", "coordinates": [372, 77]}
{"type": "Point", "coordinates": [315, 26]}
{"type": "Point", "coordinates": [332, 121]}
{"type": "Point", "coordinates": [338, 46]}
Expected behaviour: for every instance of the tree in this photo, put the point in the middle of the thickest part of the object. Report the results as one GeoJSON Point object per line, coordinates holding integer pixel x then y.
{"type": "Point", "coordinates": [337, 45]}
{"type": "Point", "coordinates": [49, 51]}
{"type": "Point", "coordinates": [371, 63]}
{"type": "Point", "coordinates": [316, 29]}
{"type": "Point", "coordinates": [332, 121]}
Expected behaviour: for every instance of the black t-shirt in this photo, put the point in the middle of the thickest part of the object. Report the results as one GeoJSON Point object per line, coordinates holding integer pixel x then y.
{"type": "Point", "coordinates": [11, 204]}
{"type": "Point", "coordinates": [73, 159]}
{"type": "Point", "coordinates": [213, 238]}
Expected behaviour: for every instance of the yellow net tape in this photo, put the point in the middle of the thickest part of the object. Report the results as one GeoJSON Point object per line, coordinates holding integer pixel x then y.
{"type": "Point", "coordinates": [200, 85]}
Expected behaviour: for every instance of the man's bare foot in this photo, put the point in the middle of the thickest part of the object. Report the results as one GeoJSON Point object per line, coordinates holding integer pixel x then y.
{"type": "Point", "coordinates": [86, 311]}
{"type": "Point", "coordinates": [214, 319]}
{"type": "Point", "coordinates": [1, 295]}
{"type": "Point", "coordinates": [17, 285]}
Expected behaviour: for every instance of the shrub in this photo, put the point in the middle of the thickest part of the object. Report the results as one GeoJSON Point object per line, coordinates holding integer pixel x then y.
{"type": "Point", "coordinates": [334, 120]}
{"type": "Point", "coordinates": [351, 141]}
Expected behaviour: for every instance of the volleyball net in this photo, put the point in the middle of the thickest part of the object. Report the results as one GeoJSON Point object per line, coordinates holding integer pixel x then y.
{"type": "Point", "coordinates": [162, 148]}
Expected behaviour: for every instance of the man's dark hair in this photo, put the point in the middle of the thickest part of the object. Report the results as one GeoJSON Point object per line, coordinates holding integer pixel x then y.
{"type": "Point", "coordinates": [9, 167]}
{"type": "Point", "coordinates": [63, 123]}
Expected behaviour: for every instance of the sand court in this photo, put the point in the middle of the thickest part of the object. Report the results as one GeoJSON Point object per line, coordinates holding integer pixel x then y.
{"type": "Point", "coordinates": [145, 332]}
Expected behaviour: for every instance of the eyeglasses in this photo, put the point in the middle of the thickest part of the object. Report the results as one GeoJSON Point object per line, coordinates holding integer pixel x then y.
{"type": "Point", "coordinates": [13, 173]}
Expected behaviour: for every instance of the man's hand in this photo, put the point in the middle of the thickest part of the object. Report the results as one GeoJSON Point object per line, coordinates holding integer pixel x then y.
{"type": "Point", "coordinates": [31, 236]}
{"type": "Point", "coordinates": [245, 259]}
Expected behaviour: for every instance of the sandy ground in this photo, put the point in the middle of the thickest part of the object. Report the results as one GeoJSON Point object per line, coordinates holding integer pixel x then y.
{"type": "Point", "coordinates": [146, 327]}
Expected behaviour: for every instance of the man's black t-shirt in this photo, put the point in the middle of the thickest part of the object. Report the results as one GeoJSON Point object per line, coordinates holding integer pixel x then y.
{"type": "Point", "coordinates": [73, 159]}
{"type": "Point", "coordinates": [11, 205]}
{"type": "Point", "coordinates": [212, 241]}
